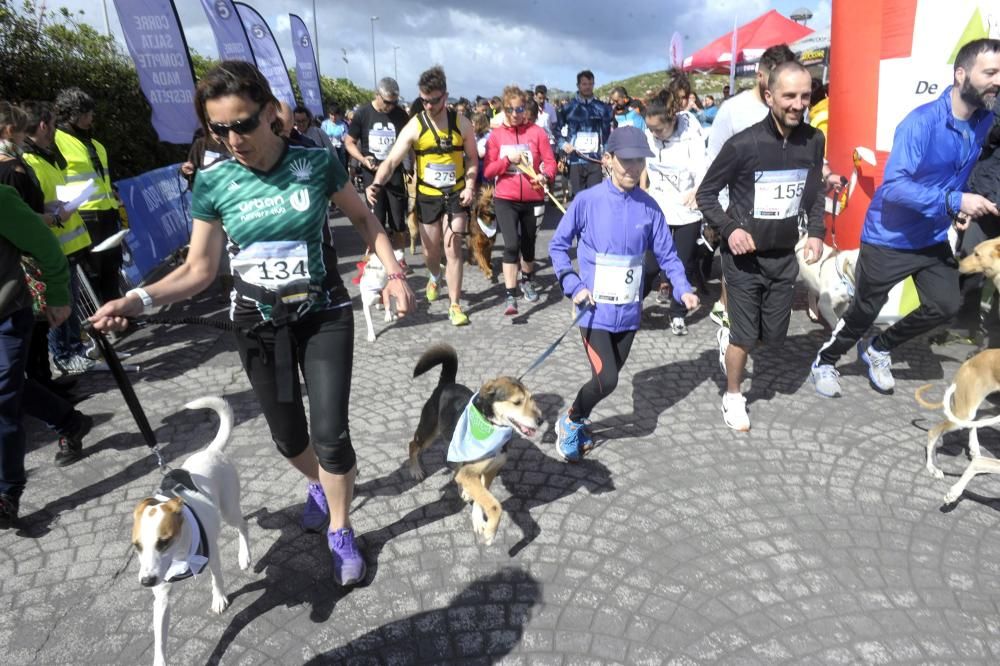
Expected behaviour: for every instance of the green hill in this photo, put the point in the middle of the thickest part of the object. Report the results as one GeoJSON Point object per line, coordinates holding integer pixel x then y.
{"type": "Point", "coordinates": [704, 84]}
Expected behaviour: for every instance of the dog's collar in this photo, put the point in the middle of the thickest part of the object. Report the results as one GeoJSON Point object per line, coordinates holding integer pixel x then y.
{"type": "Point", "coordinates": [178, 483]}
{"type": "Point", "coordinates": [475, 437]}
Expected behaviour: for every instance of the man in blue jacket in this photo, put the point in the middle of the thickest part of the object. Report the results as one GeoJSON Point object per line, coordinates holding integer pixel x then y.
{"type": "Point", "coordinates": [906, 228]}
{"type": "Point", "coordinates": [585, 125]}
{"type": "Point", "coordinates": [615, 223]}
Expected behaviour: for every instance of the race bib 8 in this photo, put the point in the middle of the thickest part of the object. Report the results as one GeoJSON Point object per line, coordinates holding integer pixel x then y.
{"type": "Point", "coordinates": [587, 142]}
{"type": "Point", "coordinates": [381, 141]}
{"type": "Point", "coordinates": [441, 175]}
{"type": "Point", "coordinates": [515, 148]}
{"type": "Point", "coordinates": [617, 278]}
{"type": "Point", "coordinates": [277, 266]}
{"type": "Point", "coordinates": [777, 195]}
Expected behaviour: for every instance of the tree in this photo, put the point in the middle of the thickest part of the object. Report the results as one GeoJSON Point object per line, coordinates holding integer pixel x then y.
{"type": "Point", "coordinates": [44, 57]}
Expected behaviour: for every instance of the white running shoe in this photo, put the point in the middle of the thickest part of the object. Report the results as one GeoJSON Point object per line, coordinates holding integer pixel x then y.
{"type": "Point", "coordinates": [734, 412]}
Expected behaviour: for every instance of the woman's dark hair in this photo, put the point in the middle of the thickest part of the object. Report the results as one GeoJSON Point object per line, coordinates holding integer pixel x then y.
{"type": "Point", "coordinates": [72, 103]}
{"type": "Point", "coordinates": [666, 104]}
{"type": "Point", "coordinates": [531, 109]}
{"type": "Point", "coordinates": [13, 117]}
{"type": "Point", "coordinates": [480, 123]}
{"type": "Point", "coordinates": [232, 77]}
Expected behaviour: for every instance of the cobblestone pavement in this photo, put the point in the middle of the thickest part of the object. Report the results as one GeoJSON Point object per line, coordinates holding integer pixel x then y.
{"type": "Point", "coordinates": [817, 537]}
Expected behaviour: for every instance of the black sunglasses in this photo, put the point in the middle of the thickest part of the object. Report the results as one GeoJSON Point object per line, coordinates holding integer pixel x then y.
{"type": "Point", "coordinates": [431, 101]}
{"type": "Point", "coordinates": [514, 109]}
{"type": "Point", "coordinates": [389, 102]}
{"type": "Point", "coordinates": [241, 127]}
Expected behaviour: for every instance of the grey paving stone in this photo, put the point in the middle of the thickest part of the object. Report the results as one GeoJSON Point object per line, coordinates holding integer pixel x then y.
{"type": "Point", "coordinates": [815, 538]}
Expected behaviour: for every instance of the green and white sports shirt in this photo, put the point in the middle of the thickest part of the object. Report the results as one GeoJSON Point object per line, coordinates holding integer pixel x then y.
{"type": "Point", "coordinates": [276, 222]}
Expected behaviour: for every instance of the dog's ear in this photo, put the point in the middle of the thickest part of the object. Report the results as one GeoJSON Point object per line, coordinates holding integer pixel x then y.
{"type": "Point", "coordinates": [490, 393]}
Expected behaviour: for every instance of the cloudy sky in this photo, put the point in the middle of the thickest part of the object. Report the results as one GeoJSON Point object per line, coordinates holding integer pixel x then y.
{"type": "Point", "coordinates": [484, 45]}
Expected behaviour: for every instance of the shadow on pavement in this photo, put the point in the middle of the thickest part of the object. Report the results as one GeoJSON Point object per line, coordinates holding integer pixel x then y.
{"type": "Point", "coordinates": [297, 570]}
{"type": "Point", "coordinates": [492, 613]}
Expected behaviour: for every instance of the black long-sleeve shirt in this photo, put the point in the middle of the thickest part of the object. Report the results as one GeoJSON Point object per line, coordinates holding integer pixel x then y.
{"type": "Point", "coordinates": [765, 173]}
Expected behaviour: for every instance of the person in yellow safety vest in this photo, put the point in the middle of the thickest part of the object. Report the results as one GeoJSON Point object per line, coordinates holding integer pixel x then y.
{"type": "Point", "coordinates": [819, 112]}
{"type": "Point", "coordinates": [86, 159]}
{"type": "Point", "coordinates": [40, 153]}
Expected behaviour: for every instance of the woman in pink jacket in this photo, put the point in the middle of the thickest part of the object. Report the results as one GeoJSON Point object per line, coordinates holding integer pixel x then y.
{"type": "Point", "coordinates": [518, 141]}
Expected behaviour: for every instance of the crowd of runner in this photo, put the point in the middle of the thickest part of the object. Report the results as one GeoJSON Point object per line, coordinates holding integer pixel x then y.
{"type": "Point", "coordinates": [656, 186]}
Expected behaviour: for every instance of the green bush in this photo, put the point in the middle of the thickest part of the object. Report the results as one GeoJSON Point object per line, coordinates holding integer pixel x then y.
{"type": "Point", "coordinates": [38, 63]}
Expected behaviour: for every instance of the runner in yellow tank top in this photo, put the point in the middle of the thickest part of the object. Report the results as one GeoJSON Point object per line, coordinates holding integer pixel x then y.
{"type": "Point", "coordinates": [445, 147]}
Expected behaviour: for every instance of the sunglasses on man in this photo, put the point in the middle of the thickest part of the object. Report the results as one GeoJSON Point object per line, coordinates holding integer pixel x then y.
{"type": "Point", "coordinates": [514, 109]}
{"type": "Point", "coordinates": [431, 101]}
{"type": "Point", "coordinates": [241, 127]}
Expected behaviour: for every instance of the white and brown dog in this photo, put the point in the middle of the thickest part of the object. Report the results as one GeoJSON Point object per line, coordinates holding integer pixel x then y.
{"type": "Point", "coordinates": [830, 281]}
{"type": "Point", "coordinates": [478, 426]}
{"type": "Point", "coordinates": [175, 533]}
{"type": "Point", "coordinates": [373, 292]}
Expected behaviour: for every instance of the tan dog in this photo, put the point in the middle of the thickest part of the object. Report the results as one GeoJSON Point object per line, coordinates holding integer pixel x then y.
{"type": "Point", "coordinates": [976, 378]}
{"type": "Point", "coordinates": [478, 426]}
{"type": "Point", "coordinates": [984, 259]}
{"type": "Point", "coordinates": [830, 281]}
{"type": "Point", "coordinates": [481, 244]}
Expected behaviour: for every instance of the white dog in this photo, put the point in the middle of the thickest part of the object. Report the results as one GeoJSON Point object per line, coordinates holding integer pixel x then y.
{"type": "Point", "coordinates": [830, 281]}
{"type": "Point", "coordinates": [175, 533]}
{"type": "Point", "coordinates": [373, 291]}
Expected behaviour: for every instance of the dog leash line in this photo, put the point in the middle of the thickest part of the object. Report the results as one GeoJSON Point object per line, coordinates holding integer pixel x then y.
{"type": "Point", "coordinates": [531, 173]}
{"type": "Point", "coordinates": [552, 347]}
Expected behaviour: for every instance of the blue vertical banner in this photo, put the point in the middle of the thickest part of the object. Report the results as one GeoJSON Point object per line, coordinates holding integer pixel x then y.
{"type": "Point", "coordinates": [158, 204]}
{"type": "Point", "coordinates": [266, 53]}
{"type": "Point", "coordinates": [305, 66]}
{"type": "Point", "coordinates": [230, 37]}
{"type": "Point", "coordinates": [155, 42]}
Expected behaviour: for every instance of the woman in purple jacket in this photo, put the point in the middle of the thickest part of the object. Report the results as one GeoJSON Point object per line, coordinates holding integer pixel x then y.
{"type": "Point", "coordinates": [615, 223]}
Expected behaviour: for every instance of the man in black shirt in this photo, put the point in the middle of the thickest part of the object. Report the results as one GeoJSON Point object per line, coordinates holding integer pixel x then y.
{"type": "Point", "coordinates": [369, 139]}
{"type": "Point", "coordinates": [774, 170]}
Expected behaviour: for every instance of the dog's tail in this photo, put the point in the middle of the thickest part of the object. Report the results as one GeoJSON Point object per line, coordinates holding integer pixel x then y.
{"type": "Point", "coordinates": [991, 421]}
{"type": "Point", "coordinates": [918, 396]}
{"type": "Point", "coordinates": [220, 407]}
{"type": "Point", "coordinates": [443, 355]}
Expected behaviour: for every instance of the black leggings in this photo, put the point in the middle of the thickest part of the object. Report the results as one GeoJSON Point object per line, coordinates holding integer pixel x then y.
{"type": "Point", "coordinates": [607, 353]}
{"type": "Point", "coordinates": [323, 345]}
{"type": "Point", "coordinates": [685, 239]}
{"type": "Point", "coordinates": [517, 224]}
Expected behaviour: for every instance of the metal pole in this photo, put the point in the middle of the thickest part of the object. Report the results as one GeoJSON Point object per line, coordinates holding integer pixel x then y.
{"type": "Point", "coordinates": [107, 21]}
{"type": "Point", "coordinates": [347, 70]}
{"type": "Point", "coordinates": [395, 65]}
{"type": "Point", "coordinates": [374, 75]}
{"type": "Point", "coordinates": [315, 37]}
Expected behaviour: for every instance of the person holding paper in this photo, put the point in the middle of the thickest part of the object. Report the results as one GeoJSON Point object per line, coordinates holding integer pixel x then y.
{"type": "Point", "coordinates": [87, 159]}
{"type": "Point", "coordinates": [45, 160]}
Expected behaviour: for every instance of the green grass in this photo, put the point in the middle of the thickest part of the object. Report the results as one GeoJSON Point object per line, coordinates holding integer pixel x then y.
{"type": "Point", "coordinates": [703, 84]}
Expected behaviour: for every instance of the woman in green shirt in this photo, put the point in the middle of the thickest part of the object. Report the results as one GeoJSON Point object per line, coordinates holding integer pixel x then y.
{"type": "Point", "coordinates": [270, 201]}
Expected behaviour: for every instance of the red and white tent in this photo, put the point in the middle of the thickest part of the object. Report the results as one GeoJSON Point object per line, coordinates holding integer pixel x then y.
{"type": "Point", "coordinates": [751, 40]}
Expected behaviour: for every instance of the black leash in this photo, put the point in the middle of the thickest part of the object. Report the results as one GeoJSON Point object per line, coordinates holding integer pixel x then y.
{"type": "Point", "coordinates": [128, 392]}
{"type": "Point", "coordinates": [548, 352]}
{"type": "Point", "coordinates": [125, 384]}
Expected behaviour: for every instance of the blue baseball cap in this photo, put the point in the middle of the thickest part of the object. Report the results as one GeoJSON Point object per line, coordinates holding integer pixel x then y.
{"type": "Point", "coordinates": [628, 143]}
